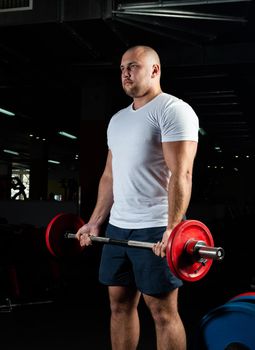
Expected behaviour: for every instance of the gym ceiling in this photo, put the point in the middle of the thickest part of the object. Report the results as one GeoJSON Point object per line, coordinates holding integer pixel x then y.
{"type": "Point", "coordinates": [50, 49]}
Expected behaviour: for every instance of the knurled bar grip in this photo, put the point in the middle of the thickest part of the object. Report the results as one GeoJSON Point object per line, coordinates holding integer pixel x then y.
{"type": "Point", "coordinates": [214, 253]}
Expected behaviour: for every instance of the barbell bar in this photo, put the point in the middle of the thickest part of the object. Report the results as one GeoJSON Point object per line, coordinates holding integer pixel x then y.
{"type": "Point", "coordinates": [192, 246]}
{"type": "Point", "coordinates": [190, 249]}
{"type": "Point", "coordinates": [9, 306]}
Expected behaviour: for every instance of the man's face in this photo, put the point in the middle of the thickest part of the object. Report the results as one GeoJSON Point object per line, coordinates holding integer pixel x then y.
{"type": "Point", "coordinates": [136, 73]}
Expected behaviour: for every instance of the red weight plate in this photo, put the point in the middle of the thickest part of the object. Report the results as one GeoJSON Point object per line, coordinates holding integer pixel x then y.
{"type": "Point", "coordinates": [187, 266]}
{"type": "Point", "coordinates": [56, 242]}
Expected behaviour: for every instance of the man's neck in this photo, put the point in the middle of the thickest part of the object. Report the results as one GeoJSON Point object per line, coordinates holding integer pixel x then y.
{"type": "Point", "coordinates": [139, 102]}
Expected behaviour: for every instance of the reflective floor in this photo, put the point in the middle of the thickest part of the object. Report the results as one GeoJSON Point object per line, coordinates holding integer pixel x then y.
{"type": "Point", "coordinates": [69, 309]}
{"type": "Point", "coordinates": [59, 303]}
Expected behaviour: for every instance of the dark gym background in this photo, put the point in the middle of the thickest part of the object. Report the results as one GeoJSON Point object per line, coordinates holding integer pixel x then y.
{"type": "Point", "coordinates": [59, 71]}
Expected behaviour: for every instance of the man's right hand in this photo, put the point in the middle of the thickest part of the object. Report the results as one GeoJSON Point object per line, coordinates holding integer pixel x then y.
{"type": "Point", "coordinates": [84, 233]}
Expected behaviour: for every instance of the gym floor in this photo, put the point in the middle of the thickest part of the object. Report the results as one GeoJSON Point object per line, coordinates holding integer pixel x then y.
{"type": "Point", "coordinates": [61, 305]}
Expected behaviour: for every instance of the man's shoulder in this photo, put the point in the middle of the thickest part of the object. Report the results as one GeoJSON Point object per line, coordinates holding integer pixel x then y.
{"type": "Point", "coordinates": [173, 102]}
{"type": "Point", "coordinates": [168, 99]}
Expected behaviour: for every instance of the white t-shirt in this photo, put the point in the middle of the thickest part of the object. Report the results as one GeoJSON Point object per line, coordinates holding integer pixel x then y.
{"type": "Point", "coordinates": [140, 175]}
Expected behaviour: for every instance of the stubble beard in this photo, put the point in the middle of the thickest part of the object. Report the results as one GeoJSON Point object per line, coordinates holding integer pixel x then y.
{"type": "Point", "coordinates": [131, 91]}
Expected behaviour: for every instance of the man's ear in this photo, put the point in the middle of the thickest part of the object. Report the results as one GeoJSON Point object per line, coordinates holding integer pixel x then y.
{"type": "Point", "coordinates": [155, 70]}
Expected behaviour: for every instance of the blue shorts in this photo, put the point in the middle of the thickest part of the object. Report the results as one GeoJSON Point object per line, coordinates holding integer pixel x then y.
{"type": "Point", "coordinates": [138, 267]}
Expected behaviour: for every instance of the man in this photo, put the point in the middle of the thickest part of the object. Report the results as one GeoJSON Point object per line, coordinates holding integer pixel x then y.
{"type": "Point", "coordinates": [146, 188]}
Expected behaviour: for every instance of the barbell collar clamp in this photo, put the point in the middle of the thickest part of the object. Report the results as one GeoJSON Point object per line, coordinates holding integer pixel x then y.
{"type": "Point", "coordinates": [199, 247]}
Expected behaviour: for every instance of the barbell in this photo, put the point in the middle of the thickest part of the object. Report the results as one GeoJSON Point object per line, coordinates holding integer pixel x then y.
{"type": "Point", "coordinates": [8, 306]}
{"type": "Point", "coordinates": [190, 249]}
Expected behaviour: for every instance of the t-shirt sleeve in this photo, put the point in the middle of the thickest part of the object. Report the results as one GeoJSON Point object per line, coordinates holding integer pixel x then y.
{"type": "Point", "coordinates": [179, 123]}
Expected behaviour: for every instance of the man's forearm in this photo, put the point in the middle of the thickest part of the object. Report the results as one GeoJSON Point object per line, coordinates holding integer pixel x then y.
{"type": "Point", "coordinates": [104, 201]}
{"type": "Point", "coordinates": [179, 194]}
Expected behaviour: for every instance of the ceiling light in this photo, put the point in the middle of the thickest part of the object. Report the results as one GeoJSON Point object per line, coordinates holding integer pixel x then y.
{"type": "Point", "coordinates": [53, 161]}
{"type": "Point", "coordinates": [66, 134]}
{"type": "Point", "coordinates": [11, 152]}
{"type": "Point", "coordinates": [218, 149]}
{"type": "Point", "coordinates": [4, 111]}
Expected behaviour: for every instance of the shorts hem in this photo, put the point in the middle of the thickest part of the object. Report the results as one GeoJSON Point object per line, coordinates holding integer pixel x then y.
{"type": "Point", "coordinates": [165, 291]}
{"type": "Point", "coordinates": [117, 284]}
{"type": "Point", "coordinates": [143, 291]}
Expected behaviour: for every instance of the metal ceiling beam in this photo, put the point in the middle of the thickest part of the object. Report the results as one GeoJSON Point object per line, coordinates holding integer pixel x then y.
{"type": "Point", "coordinates": [181, 14]}
{"type": "Point", "coordinates": [128, 20]}
{"type": "Point", "coordinates": [161, 4]}
{"type": "Point", "coordinates": [235, 136]}
{"type": "Point", "coordinates": [188, 32]}
{"type": "Point", "coordinates": [214, 104]}
{"type": "Point", "coordinates": [14, 54]}
{"type": "Point", "coordinates": [203, 76]}
{"type": "Point", "coordinates": [222, 123]}
{"type": "Point", "coordinates": [222, 114]}
{"type": "Point", "coordinates": [85, 44]}
{"type": "Point", "coordinates": [209, 93]}
{"type": "Point", "coordinates": [209, 97]}
{"type": "Point", "coordinates": [144, 26]}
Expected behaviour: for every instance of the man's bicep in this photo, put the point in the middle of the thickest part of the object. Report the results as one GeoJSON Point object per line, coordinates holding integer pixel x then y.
{"type": "Point", "coordinates": [179, 155]}
{"type": "Point", "coordinates": [108, 165]}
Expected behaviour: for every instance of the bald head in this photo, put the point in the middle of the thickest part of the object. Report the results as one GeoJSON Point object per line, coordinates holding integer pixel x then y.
{"type": "Point", "coordinates": [145, 51]}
